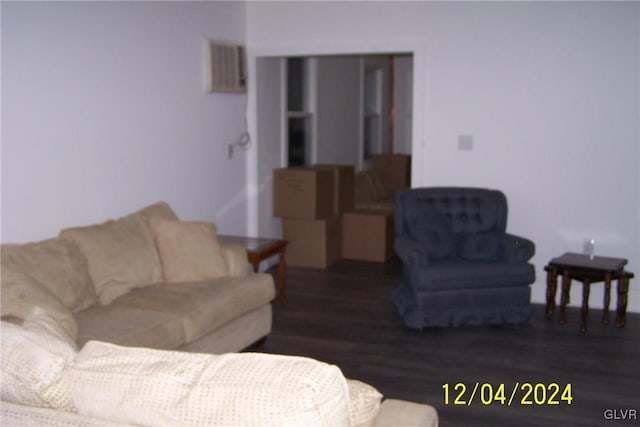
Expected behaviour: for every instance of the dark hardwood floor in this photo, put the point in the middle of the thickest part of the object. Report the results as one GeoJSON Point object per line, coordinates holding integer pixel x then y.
{"type": "Point", "coordinates": [345, 316]}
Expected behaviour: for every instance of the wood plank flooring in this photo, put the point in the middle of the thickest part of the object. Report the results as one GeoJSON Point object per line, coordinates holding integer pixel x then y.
{"type": "Point", "coordinates": [345, 316]}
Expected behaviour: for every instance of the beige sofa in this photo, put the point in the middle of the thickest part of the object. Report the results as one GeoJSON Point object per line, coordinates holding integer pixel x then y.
{"type": "Point", "coordinates": [146, 279]}
{"type": "Point", "coordinates": [91, 320]}
{"type": "Point", "coordinates": [46, 381]}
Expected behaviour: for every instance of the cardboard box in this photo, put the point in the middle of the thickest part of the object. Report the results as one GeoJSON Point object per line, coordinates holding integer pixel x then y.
{"type": "Point", "coordinates": [343, 186]}
{"type": "Point", "coordinates": [367, 235]}
{"type": "Point", "coordinates": [397, 167]}
{"type": "Point", "coordinates": [313, 243]}
{"type": "Point", "coordinates": [303, 193]}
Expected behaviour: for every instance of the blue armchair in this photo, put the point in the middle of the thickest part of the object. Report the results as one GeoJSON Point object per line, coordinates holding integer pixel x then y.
{"type": "Point", "coordinates": [460, 266]}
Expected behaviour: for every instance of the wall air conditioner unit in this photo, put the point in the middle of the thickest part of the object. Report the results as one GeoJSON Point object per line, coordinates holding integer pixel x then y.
{"type": "Point", "coordinates": [225, 67]}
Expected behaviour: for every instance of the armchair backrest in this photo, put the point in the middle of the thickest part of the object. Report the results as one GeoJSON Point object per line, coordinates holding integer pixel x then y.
{"type": "Point", "coordinates": [467, 209]}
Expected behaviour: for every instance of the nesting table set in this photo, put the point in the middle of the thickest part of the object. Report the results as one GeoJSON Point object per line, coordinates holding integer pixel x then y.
{"type": "Point", "coordinates": [587, 269]}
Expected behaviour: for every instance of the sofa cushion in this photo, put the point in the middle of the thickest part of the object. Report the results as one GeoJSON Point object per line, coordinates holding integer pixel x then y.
{"type": "Point", "coordinates": [158, 210]}
{"type": "Point", "coordinates": [189, 251]}
{"type": "Point", "coordinates": [121, 255]}
{"type": "Point", "coordinates": [480, 247]}
{"type": "Point", "coordinates": [21, 294]}
{"type": "Point", "coordinates": [430, 227]}
{"type": "Point", "coordinates": [236, 335]}
{"type": "Point", "coordinates": [168, 315]}
{"type": "Point", "coordinates": [155, 387]}
{"type": "Point", "coordinates": [235, 258]}
{"type": "Point", "coordinates": [364, 403]}
{"type": "Point", "coordinates": [34, 356]}
{"type": "Point", "coordinates": [130, 326]}
{"type": "Point", "coordinates": [55, 264]}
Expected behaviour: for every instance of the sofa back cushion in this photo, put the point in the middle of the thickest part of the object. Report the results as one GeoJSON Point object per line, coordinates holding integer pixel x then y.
{"type": "Point", "coordinates": [170, 388]}
{"type": "Point", "coordinates": [189, 251]}
{"type": "Point", "coordinates": [121, 254]}
{"type": "Point", "coordinates": [34, 357]}
{"type": "Point", "coordinates": [21, 294]}
{"type": "Point", "coordinates": [158, 210]}
{"type": "Point", "coordinates": [56, 265]}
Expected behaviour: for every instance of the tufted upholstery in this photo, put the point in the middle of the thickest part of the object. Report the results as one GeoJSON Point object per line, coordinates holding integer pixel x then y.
{"type": "Point", "coordinates": [456, 252]}
{"type": "Point", "coordinates": [467, 210]}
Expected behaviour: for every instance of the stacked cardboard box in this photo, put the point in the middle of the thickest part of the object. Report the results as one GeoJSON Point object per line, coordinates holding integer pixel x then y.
{"type": "Point", "coordinates": [343, 186]}
{"type": "Point", "coordinates": [367, 235]}
{"type": "Point", "coordinates": [303, 193]}
{"type": "Point", "coordinates": [397, 168]}
{"type": "Point", "coordinates": [310, 200]}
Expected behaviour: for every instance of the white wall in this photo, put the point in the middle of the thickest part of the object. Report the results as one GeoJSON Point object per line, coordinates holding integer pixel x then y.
{"type": "Point", "coordinates": [103, 111]}
{"type": "Point", "coordinates": [550, 92]}
{"type": "Point", "coordinates": [271, 89]}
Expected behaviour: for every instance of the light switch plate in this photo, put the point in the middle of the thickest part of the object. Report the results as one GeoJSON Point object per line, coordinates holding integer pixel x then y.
{"type": "Point", "coordinates": [465, 142]}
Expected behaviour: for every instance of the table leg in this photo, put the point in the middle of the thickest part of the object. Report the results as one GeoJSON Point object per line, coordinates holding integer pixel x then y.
{"type": "Point", "coordinates": [623, 289]}
{"type": "Point", "coordinates": [586, 288]}
{"type": "Point", "coordinates": [607, 298]}
{"type": "Point", "coordinates": [564, 297]}
{"type": "Point", "coordinates": [256, 266]}
{"type": "Point", "coordinates": [552, 286]}
{"type": "Point", "coordinates": [282, 272]}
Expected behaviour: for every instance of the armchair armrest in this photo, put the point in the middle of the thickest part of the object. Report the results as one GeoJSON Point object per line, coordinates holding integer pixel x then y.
{"type": "Point", "coordinates": [235, 257]}
{"type": "Point", "coordinates": [518, 249]}
{"type": "Point", "coordinates": [411, 252]}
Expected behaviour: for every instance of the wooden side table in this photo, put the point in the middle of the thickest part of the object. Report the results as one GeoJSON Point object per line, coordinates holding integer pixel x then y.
{"type": "Point", "coordinates": [587, 270]}
{"type": "Point", "coordinates": [260, 249]}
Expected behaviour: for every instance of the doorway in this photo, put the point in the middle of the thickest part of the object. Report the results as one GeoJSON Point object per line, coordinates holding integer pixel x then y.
{"type": "Point", "coordinates": [342, 141]}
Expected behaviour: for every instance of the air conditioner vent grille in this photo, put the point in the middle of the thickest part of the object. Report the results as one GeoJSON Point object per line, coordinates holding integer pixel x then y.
{"type": "Point", "coordinates": [225, 67]}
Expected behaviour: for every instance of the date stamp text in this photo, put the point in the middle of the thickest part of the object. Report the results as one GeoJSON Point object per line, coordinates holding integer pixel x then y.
{"type": "Point", "coordinates": [517, 393]}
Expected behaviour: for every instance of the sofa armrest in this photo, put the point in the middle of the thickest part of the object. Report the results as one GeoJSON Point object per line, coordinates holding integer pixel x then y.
{"type": "Point", "coordinates": [518, 249]}
{"type": "Point", "coordinates": [410, 251]}
{"type": "Point", "coordinates": [235, 257]}
{"type": "Point", "coordinates": [403, 413]}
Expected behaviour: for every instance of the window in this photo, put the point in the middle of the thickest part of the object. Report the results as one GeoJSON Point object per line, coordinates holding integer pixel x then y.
{"type": "Point", "coordinates": [299, 116]}
{"type": "Point", "coordinates": [372, 120]}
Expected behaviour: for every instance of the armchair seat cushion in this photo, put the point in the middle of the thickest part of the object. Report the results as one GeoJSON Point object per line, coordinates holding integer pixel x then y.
{"type": "Point", "coordinates": [454, 274]}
